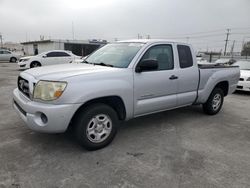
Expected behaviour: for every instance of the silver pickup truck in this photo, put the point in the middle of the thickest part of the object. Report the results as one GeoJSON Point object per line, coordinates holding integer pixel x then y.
{"type": "Point", "coordinates": [118, 82]}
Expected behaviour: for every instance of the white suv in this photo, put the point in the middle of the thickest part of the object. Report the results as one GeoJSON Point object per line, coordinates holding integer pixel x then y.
{"type": "Point", "coordinates": [47, 58]}
{"type": "Point", "coordinates": [6, 55]}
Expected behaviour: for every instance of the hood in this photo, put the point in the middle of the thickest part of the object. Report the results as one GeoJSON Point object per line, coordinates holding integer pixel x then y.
{"type": "Point", "coordinates": [26, 57]}
{"type": "Point", "coordinates": [59, 72]}
{"type": "Point", "coordinates": [245, 73]}
{"type": "Point", "coordinates": [77, 61]}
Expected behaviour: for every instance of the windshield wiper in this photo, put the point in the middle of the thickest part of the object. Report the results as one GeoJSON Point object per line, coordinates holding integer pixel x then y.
{"type": "Point", "coordinates": [103, 64]}
{"type": "Point", "coordinates": [85, 61]}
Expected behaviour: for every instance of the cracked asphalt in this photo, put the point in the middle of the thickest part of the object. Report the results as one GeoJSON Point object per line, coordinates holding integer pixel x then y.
{"type": "Point", "coordinates": [178, 148]}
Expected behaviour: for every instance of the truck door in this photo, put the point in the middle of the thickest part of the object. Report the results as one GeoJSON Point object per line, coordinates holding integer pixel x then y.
{"type": "Point", "coordinates": [188, 76]}
{"type": "Point", "coordinates": [156, 90]}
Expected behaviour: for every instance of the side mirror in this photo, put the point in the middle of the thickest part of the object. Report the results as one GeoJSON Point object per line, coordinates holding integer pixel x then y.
{"type": "Point", "coordinates": [146, 65]}
{"type": "Point", "coordinates": [44, 56]}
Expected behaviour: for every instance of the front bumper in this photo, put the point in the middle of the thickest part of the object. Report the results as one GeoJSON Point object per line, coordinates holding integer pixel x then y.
{"type": "Point", "coordinates": [23, 64]}
{"type": "Point", "coordinates": [41, 117]}
{"type": "Point", "coordinates": [243, 85]}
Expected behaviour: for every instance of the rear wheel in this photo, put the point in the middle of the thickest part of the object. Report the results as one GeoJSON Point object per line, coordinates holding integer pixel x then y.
{"type": "Point", "coordinates": [214, 102]}
{"type": "Point", "coordinates": [96, 126]}
{"type": "Point", "coordinates": [35, 64]}
{"type": "Point", "coordinates": [13, 59]}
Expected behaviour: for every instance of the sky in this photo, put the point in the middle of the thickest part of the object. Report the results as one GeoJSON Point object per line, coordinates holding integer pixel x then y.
{"type": "Point", "coordinates": [202, 23]}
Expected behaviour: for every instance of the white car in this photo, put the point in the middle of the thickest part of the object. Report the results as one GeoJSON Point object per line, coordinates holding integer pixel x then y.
{"type": "Point", "coordinates": [225, 61]}
{"type": "Point", "coordinates": [201, 60]}
{"type": "Point", "coordinates": [244, 82]}
{"type": "Point", "coordinates": [6, 55]}
{"type": "Point", "coordinates": [47, 58]}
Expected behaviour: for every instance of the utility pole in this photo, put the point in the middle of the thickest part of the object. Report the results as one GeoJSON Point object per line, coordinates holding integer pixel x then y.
{"type": "Point", "coordinates": [1, 40]}
{"type": "Point", "coordinates": [227, 35]}
{"type": "Point", "coordinates": [232, 49]}
{"type": "Point", "coordinates": [73, 32]}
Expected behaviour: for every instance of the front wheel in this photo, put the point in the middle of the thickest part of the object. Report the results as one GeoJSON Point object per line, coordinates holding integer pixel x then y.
{"type": "Point", "coordinates": [35, 64]}
{"type": "Point", "coordinates": [214, 102]}
{"type": "Point", "coordinates": [96, 126]}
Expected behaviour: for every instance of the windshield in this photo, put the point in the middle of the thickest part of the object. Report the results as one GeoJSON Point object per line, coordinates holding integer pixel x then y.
{"type": "Point", "coordinates": [244, 65]}
{"type": "Point", "coordinates": [115, 55]}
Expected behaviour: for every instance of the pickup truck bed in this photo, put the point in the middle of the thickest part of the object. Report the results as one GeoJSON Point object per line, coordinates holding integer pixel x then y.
{"type": "Point", "coordinates": [214, 73]}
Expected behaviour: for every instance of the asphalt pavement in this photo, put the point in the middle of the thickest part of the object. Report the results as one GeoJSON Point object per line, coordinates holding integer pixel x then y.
{"type": "Point", "coordinates": [178, 148]}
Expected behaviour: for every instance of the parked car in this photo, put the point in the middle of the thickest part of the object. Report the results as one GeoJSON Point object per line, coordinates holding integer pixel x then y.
{"type": "Point", "coordinates": [225, 61]}
{"type": "Point", "coordinates": [201, 60]}
{"type": "Point", "coordinates": [244, 82]}
{"type": "Point", "coordinates": [6, 55]}
{"type": "Point", "coordinates": [53, 57]}
{"type": "Point", "coordinates": [118, 82]}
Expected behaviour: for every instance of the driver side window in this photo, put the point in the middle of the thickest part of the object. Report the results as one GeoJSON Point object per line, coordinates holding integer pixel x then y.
{"type": "Point", "coordinates": [163, 54]}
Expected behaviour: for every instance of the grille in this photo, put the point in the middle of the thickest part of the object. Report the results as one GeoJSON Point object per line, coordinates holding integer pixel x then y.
{"type": "Point", "coordinates": [240, 87]}
{"type": "Point", "coordinates": [23, 86]}
{"type": "Point", "coordinates": [241, 79]}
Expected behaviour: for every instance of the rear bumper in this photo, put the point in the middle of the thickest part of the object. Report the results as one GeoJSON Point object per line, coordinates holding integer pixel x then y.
{"type": "Point", "coordinates": [40, 117]}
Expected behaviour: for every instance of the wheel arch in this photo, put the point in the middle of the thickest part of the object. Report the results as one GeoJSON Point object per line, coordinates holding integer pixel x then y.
{"type": "Point", "coordinates": [12, 58]}
{"type": "Point", "coordinates": [224, 85]}
{"type": "Point", "coordinates": [114, 102]}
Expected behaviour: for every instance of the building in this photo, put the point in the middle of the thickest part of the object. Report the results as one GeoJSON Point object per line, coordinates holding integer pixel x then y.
{"type": "Point", "coordinates": [78, 47]}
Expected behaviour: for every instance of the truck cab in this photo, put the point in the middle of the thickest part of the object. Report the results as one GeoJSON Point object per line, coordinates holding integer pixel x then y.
{"type": "Point", "coordinates": [174, 83]}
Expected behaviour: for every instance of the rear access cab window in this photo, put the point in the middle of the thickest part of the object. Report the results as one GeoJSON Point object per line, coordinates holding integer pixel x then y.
{"type": "Point", "coordinates": [185, 56]}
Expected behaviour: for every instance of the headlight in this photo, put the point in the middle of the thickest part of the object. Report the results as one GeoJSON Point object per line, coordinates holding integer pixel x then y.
{"type": "Point", "coordinates": [49, 90]}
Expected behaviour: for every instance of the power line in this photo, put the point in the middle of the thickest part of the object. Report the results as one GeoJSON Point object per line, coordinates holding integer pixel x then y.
{"type": "Point", "coordinates": [190, 37]}
{"type": "Point", "coordinates": [196, 33]}
{"type": "Point", "coordinates": [241, 33]}
{"type": "Point", "coordinates": [240, 28]}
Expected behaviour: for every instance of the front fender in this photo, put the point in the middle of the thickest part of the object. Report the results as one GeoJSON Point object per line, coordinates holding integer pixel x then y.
{"type": "Point", "coordinates": [80, 92]}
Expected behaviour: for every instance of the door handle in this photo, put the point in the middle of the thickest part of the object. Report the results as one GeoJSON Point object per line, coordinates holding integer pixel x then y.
{"type": "Point", "coordinates": [173, 77]}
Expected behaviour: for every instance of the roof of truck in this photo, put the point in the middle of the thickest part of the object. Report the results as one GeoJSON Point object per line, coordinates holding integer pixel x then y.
{"type": "Point", "coordinates": [152, 41]}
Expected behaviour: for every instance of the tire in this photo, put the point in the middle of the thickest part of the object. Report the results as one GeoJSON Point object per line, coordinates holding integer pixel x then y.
{"type": "Point", "coordinates": [89, 127]}
{"type": "Point", "coordinates": [13, 59]}
{"type": "Point", "coordinates": [35, 64]}
{"type": "Point", "coordinates": [214, 102]}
